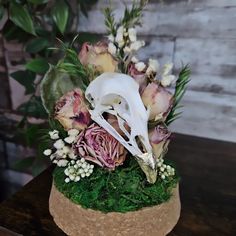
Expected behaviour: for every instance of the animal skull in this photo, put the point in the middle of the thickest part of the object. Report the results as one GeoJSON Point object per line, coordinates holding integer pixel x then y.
{"type": "Point", "coordinates": [118, 94]}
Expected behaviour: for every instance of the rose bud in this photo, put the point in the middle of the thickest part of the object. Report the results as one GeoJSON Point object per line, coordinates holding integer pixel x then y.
{"type": "Point", "coordinates": [158, 100]}
{"type": "Point", "coordinates": [159, 139]}
{"type": "Point", "coordinates": [139, 77]}
{"type": "Point", "coordinates": [71, 110]}
{"type": "Point", "coordinates": [98, 56]}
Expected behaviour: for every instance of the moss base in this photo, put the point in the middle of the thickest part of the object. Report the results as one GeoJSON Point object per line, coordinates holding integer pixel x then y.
{"type": "Point", "coordinates": [122, 190]}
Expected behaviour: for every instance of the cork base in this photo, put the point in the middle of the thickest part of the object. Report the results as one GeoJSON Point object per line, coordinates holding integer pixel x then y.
{"type": "Point", "coordinates": [76, 221]}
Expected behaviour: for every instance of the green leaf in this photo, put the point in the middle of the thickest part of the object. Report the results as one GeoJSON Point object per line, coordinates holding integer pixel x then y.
{"type": "Point", "coordinates": [25, 78]}
{"type": "Point", "coordinates": [25, 164]}
{"type": "Point", "coordinates": [33, 108]}
{"type": "Point", "coordinates": [54, 85]}
{"type": "Point", "coordinates": [36, 45]}
{"type": "Point", "coordinates": [21, 17]}
{"type": "Point", "coordinates": [1, 12]}
{"type": "Point", "coordinates": [60, 14]}
{"type": "Point", "coordinates": [38, 65]}
{"type": "Point", "coordinates": [37, 2]}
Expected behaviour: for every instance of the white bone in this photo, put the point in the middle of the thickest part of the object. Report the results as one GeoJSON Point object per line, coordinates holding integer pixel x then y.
{"type": "Point", "coordinates": [118, 94]}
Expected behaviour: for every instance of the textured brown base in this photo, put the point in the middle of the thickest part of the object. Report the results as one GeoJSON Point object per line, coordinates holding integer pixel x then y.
{"type": "Point", "coordinates": [76, 221]}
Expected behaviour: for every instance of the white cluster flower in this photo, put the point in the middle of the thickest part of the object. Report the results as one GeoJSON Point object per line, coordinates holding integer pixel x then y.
{"type": "Point", "coordinates": [54, 134]}
{"type": "Point", "coordinates": [132, 34]}
{"type": "Point", "coordinates": [77, 170]}
{"type": "Point", "coordinates": [140, 66]}
{"type": "Point", "coordinates": [135, 46]}
{"type": "Point", "coordinates": [120, 36]}
{"type": "Point", "coordinates": [165, 170]}
{"type": "Point", "coordinates": [167, 77]}
{"type": "Point", "coordinates": [112, 48]}
{"type": "Point", "coordinates": [73, 133]}
{"type": "Point", "coordinates": [153, 66]}
{"type": "Point", "coordinates": [63, 148]}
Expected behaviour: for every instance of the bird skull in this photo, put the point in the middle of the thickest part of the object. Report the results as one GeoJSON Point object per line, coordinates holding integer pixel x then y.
{"type": "Point", "coordinates": [118, 94]}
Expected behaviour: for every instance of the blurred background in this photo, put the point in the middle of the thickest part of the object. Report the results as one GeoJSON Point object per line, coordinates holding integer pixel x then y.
{"type": "Point", "coordinates": [201, 33]}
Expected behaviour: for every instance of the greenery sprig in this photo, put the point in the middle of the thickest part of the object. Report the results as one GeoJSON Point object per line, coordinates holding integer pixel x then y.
{"type": "Point", "coordinates": [180, 89]}
{"type": "Point", "coordinates": [132, 16]}
{"type": "Point", "coordinates": [110, 21]}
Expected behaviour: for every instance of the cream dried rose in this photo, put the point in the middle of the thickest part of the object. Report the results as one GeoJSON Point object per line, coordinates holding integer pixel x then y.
{"type": "Point", "coordinates": [72, 111]}
{"type": "Point", "coordinates": [98, 56]}
{"type": "Point", "coordinates": [158, 100]}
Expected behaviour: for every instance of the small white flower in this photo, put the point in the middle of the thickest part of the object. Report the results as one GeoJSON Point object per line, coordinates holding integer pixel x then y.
{"type": "Point", "coordinates": [153, 66]}
{"type": "Point", "coordinates": [87, 174]}
{"type": "Point", "coordinates": [67, 180]}
{"type": "Point", "coordinates": [82, 160]}
{"type": "Point", "coordinates": [134, 59]}
{"type": "Point", "coordinates": [47, 152]}
{"type": "Point", "coordinates": [119, 35]}
{"type": "Point", "coordinates": [72, 177]}
{"type": "Point", "coordinates": [127, 49]}
{"type": "Point", "coordinates": [167, 80]}
{"type": "Point", "coordinates": [140, 66]}
{"type": "Point", "coordinates": [132, 34]}
{"type": "Point", "coordinates": [77, 178]}
{"type": "Point", "coordinates": [135, 46]}
{"type": "Point", "coordinates": [62, 163]}
{"type": "Point", "coordinates": [163, 176]}
{"type": "Point", "coordinates": [60, 153]}
{"type": "Point", "coordinates": [83, 175]}
{"type": "Point", "coordinates": [167, 69]}
{"type": "Point", "coordinates": [73, 132]}
{"type": "Point", "coordinates": [59, 144]}
{"type": "Point", "coordinates": [54, 134]}
{"type": "Point", "coordinates": [72, 155]}
{"type": "Point", "coordinates": [111, 38]}
{"type": "Point", "coordinates": [69, 139]}
{"type": "Point", "coordinates": [112, 48]}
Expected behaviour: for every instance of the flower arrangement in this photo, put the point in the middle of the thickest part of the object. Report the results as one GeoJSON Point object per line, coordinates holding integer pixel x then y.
{"type": "Point", "coordinates": [110, 115]}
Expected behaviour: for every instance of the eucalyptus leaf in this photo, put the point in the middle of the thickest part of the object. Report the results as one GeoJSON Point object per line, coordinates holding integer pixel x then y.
{"type": "Point", "coordinates": [38, 65]}
{"type": "Point", "coordinates": [54, 85]}
{"type": "Point", "coordinates": [60, 14]}
{"type": "Point", "coordinates": [25, 78]}
{"type": "Point", "coordinates": [36, 45]}
{"type": "Point", "coordinates": [20, 16]}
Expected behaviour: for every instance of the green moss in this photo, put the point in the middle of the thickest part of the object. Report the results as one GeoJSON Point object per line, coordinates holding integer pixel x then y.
{"type": "Point", "coordinates": [122, 190]}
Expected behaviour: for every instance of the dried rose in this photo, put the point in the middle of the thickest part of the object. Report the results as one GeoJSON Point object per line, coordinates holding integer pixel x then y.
{"type": "Point", "coordinates": [158, 100]}
{"type": "Point", "coordinates": [97, 145]}
{"type": "Point", "coordinates": [98, 56]}
{"type": "Point", "coordinates": [159, 139]}
{"type": "Point", "coordinates": [139, 77]}
{"type": "Point", "coordinates": [71, 110]}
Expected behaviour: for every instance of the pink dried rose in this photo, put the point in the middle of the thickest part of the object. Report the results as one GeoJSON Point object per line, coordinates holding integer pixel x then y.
{"type": "Point", "coordinates": [139, 77]}
{"type": "Point", "coordinates": [159, 139]}
{"type": "Point", "coordinates": [98, 56]}
{"type": "Point", "coordinates": [158, 100]}
{"type": "Point", "coordinates": [97, 145]}
{"type": "Point", "coordinates": [71, 110]}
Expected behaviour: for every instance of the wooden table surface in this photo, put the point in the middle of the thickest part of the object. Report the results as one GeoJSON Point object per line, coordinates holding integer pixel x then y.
{"type": "Point", "coordinates": [208, 193]}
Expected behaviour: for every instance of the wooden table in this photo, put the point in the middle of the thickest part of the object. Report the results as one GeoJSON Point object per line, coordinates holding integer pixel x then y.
{"type": "Point", "coordinates": [208, 193]}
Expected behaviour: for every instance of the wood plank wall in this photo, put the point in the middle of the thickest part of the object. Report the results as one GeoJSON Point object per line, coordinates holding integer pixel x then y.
{"type": "Point", "coordinates": [203, 34]}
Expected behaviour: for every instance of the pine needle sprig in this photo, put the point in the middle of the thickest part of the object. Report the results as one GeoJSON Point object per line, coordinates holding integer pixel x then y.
{"type": "Point", "coordinates": [133, 16]}
{"type": "Point", "coordinates": [180, 89]}
{"type": "Point", "coordinates": [110, 21]}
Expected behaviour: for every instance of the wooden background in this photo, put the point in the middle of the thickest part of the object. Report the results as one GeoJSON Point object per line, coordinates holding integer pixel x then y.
{"type": "Point", "coordinates": [203, 34]}
{"type": "Point", "coordinates": [199, 32]}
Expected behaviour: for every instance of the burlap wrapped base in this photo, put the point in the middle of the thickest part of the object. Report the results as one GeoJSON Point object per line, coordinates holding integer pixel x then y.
{"type": "Point", "coordinates": [150, 221]}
